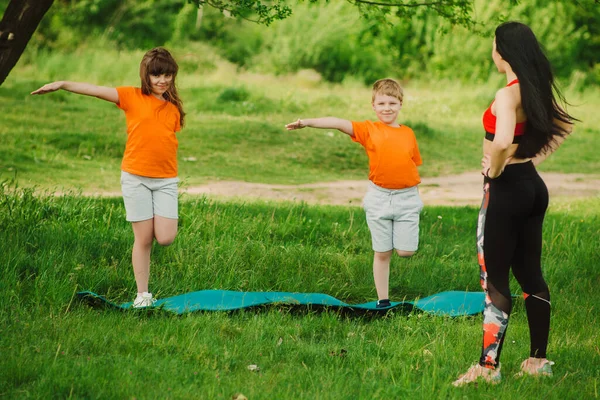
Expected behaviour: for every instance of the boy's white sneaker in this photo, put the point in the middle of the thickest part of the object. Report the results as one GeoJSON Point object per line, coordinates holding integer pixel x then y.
{"type": "Point", "coordinates": [143, 300]}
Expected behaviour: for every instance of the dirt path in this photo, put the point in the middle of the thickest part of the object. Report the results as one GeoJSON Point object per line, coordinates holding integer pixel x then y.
{"type": "Point", "coordinates": [463, 189]}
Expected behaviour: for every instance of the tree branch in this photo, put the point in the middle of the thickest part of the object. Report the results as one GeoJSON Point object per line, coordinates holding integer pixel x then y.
{"type": "Point", "coordinates": [20, 20]}
{"type": "Point", "coordinates": [393, 4]}
{"type": "Point", "coordinates": [267, 13]}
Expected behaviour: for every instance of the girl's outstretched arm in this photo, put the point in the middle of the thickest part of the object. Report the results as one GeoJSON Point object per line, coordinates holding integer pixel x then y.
{"type": "Point", "coordinates": [101, 92]}
{"type": "Point", "coordinates": [342, 125]}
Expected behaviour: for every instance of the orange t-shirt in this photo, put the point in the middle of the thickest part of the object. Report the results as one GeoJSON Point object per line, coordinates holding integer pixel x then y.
{"type": "Point", "coordinates": [393, 153]}
{"type": "Point", "coordinates": [151, 148]}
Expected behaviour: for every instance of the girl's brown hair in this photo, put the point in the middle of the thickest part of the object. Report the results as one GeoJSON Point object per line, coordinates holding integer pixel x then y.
{"type": "Point", "coordinates": [159, 61]}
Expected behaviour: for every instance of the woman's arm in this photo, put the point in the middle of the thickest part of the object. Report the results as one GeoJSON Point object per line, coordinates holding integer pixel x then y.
{"type": "Point", "coordinates": [506, 120]}
{"type": "Point", "coordinates": [342, 125]}
{"type": "Point", "coordinates": [101, 92]}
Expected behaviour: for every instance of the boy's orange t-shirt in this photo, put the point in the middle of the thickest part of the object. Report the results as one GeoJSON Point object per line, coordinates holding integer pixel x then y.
{"type": "Point", "coordinates": [151, 148]}
{"type": "Point", "coordinates": [393, 153]}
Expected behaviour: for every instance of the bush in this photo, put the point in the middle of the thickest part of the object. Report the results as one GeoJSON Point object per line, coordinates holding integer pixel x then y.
{"type": "Point", "coordinates": [233, 94]}
{"type": "Point", "coordinates": [131, 24]}
{"type": "Point", "coordinates": [331, 37]}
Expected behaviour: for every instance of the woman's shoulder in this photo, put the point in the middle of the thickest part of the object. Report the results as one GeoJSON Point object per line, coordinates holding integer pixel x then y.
{"type": "Point", "coordinates": [508, 96]}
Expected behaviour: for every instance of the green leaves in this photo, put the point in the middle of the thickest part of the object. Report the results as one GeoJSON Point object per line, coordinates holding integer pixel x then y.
{"type": "Point", "coordinates": [457, 12]}
{"type": "Point", "coordinates": [253, 10]}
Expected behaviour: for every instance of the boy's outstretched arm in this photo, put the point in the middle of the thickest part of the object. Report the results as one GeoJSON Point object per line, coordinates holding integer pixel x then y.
{"type": "Point", "coordinates": [101, 92]}
{"type": "Point", "coordinates": [342, 125]}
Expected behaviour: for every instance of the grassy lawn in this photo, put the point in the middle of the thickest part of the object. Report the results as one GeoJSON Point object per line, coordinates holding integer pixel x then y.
{"type": "Point", "coordinates": [52, 247]}
{"type": "Point", "coordinates": [51, 343]}
{"type": "Point", "coordinates": [235, 125]}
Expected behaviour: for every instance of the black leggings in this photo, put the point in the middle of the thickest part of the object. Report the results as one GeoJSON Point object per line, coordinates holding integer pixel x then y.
{"type": "Point", "coordinates": [510, 235]}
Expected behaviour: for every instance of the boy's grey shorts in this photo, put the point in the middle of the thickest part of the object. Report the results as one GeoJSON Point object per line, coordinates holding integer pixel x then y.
{"type": "Point", "coordinates": [393, 217]}
{"type": "Point", "coordinates": [146, 197]}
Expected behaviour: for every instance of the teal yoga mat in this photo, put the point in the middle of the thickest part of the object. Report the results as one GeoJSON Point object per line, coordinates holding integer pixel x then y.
{"type": "Point", "coordinates": [453, 303]}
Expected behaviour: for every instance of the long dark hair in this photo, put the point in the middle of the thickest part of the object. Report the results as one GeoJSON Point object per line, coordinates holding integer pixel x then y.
{"type": "Point", "coordinates": [518, 46]}
{"type": "Point", "coordinates": [159, 61]}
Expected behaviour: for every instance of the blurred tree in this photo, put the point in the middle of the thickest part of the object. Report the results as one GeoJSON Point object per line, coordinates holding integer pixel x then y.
{"type": "Point", "coordinates": [265, 12]}
{"type": "Point", "coordinates": [588, 19]}
{"type": "Point", "coordinates": [20, 20]}
{"type": "Point", "coordinates": [22, 17]}
{"type": "Point", "coordinates": [152, 21]}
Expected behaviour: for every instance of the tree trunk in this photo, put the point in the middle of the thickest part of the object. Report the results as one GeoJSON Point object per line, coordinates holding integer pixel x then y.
{"type": "Point", "coordinates": [20, 20]}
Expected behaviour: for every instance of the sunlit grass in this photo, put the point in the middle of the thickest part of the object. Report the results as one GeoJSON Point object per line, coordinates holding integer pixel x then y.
{"type": "Point", "coordinates": [53, 247]}
{"type": "Point", "coordinates": [235, 124]}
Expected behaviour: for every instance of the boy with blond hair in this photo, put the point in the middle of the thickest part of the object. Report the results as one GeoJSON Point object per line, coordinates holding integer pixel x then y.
{"type": "Point", "coordinates": [392, 203]}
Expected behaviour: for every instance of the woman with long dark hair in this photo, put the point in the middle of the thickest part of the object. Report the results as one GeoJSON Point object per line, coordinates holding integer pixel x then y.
{"type": "Point", "coordinates": [524, 125]}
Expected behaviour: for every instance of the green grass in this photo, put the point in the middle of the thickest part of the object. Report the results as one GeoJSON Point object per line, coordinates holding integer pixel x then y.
{"type": "Point", "coordinates": [51, 247]}
{"type": "Point", "coordinates": [52, 344]}
{"type": "Point", "coordinates": [235, 124]}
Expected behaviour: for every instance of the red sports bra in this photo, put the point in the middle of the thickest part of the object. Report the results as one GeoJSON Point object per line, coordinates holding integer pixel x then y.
{"type": "Point", "coordinates": [489, 123]}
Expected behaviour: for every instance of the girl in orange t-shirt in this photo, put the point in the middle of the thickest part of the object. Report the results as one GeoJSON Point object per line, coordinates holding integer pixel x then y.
{"type": "Point", "coordinates": [154, 114]}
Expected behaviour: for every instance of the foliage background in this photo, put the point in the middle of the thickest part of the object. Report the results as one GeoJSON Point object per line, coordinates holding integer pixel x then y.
{"type": "Point", "coordinates": [332, 38]}
{"type": "Point", "coordinates": [52, 246]}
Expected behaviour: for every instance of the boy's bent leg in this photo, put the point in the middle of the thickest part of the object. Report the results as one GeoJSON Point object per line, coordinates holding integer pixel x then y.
{"type": "Point", "coordinates": [407, 206]}
{"type": "Point", "coordinates": [381, 273]}
{"type": "Point", "coordinates": [404, 253]}
{"type": "Point", "coordinates": [143, 232]}
{"type": "Point", "coordinates": [165, 230]}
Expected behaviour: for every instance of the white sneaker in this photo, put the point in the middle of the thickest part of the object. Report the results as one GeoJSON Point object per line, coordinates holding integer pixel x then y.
{"type": "Point", "coordinates": [477, 372]}
{"type": "Point", "coordinates": [143, 300]}
{"type": "Point", "coordinates": [536, 367]}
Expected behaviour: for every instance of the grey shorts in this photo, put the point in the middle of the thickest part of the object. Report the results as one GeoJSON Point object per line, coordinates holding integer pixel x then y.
{"type": "Point", "coordinates": [146, 197]}
{"type": "Point", "coordinates": [393, 217]}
